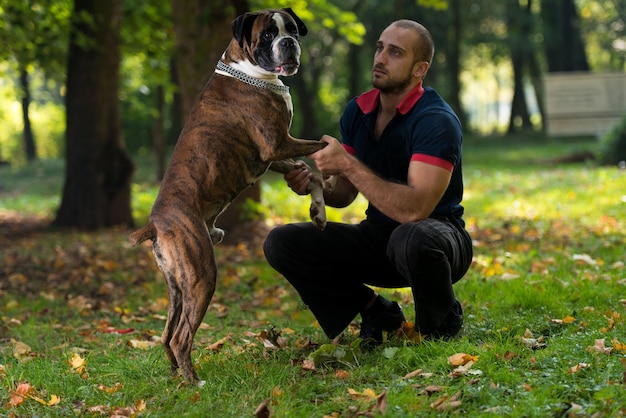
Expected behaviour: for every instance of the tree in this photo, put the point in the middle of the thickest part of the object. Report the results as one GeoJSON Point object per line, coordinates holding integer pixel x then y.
{"type": "Point", "coordinates": [34, 35]}
{"type": "Point", "coordinates": [98, 169]}
{"type": "Point", "coordinates": [518, 23]}
{"type": "Point", "coordinates": [564, 47]}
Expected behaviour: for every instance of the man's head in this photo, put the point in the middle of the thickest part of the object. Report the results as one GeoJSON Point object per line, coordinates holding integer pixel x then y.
{"type": "Point", "coordinates": [403, 55]}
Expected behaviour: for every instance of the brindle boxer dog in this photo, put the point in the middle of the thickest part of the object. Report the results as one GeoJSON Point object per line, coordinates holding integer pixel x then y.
{"type": "Point", "coordinates": [237, 129]}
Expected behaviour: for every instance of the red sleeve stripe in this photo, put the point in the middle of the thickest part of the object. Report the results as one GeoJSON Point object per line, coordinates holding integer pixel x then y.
{"type": "Point", "coordinates": [349, 149]}
{"type": "Point", "coordinates": [429, 159]}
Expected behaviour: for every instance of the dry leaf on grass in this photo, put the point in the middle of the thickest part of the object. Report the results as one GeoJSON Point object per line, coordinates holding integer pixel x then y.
{"type": "Point", "coordinates": [22, 352]}
{"type": "Point", "coordinates": [447, 403]}
{"type": "Point", "coordinates": [20, 394]}
{"type": "Point", "coordinates": [599, 347]}
{"type": "Point", "coordinates": [460, 359]}
{"type": "Point", "coordinates": [578, 367]}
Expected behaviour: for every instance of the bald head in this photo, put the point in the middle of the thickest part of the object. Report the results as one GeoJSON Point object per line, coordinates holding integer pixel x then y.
{"type": "Point", "coordinates": [424, 46]}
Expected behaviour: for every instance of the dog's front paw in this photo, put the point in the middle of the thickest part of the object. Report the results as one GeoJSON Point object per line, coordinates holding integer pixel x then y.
{"type": "Point", "coordinates": [217, 235]}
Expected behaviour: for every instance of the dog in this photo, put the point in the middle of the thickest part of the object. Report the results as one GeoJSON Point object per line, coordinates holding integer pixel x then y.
{"type": "Point", "coordinates": [237, 130]}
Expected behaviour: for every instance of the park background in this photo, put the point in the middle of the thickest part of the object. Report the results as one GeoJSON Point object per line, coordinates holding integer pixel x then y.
{"type": "Point", "coordinates": [92, 98]}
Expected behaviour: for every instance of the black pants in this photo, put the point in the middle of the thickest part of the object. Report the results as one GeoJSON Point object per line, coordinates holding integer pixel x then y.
{"type": "Point", "coordinates": [330, 268]}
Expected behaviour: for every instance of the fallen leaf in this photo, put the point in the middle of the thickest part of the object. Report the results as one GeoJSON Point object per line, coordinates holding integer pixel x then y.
{"type": "Point", "coordinates": [367, 394]}
{"type": "Point", "coordinates": [407, 331]}
{"type": "Point", "coordinates": [21, 351]}
{"type": "Point", "coordinates": [618, 346]}
{"type": "Point", "coordinates": [144, 344]}
{"type": "Point", "coordinates": [567, 320]}
{"type": "Point", "coordinates": [531, 342]}
{"type": "Point", "coordinates": [578, 367]}
{"type": "Point", "coordinates": [412, 374]}
{"type": "Point", "coordinates": [599, 347]}
{"type": "Point", "coordinates": [459, 359]}
{"type": "Point", "coordinates": [19, 395]}
{"type": "Point", "coordinates": [341, 374]}
{"type": "Point", "coordinates": [218, 345]}
{"type": "Point", "coordinates": [381, 402]}
{"type": "Point", "coordinates": [54, 400]}
{"type": "Point", "coordinates": [584, 259]}
{"type": "Point", "coordinates": [430, 389]}
{"type": "Point", "coordinates": [110, 389]}
{"type": "Point", "coordinates": [308, 364]}
{"type": "Point", "coordinates": [447, 403]}
{"type": "Point", "coordinates": [78, 365]}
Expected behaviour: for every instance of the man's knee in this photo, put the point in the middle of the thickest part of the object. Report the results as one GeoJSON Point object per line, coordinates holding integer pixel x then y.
{"type": "Point", "coordinates": [410, 240]}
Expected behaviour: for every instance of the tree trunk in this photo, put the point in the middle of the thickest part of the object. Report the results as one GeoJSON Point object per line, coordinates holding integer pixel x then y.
{"type": "Point", "coordinates": [203, 30]}
{"type": "Point", "coordinates": [455, 60]}
{"type": "Point", "coordinates": [518, 24]}
{"type": "Point", "coordinates": [29, 139]}
{"type": "Point", "coordinates": [98, 170]}
{"type": "Point", "coordinates": [564, 47]}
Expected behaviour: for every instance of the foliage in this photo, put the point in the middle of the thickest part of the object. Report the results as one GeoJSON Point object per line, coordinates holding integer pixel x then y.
{"type": "Point", "coordinates": [80, 314]}
{"type": "Point", "coordinates": [612, 147]}
{"type": "Point", "coordinates": [337, 56]}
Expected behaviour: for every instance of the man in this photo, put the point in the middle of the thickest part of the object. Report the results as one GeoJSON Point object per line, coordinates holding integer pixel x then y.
{"type": "Point", "coordinates": [401, 148]}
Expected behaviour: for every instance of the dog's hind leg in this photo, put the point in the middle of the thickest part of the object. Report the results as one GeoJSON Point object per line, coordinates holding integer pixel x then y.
{"type": "Point", "coordinates": [196, 280]}
{"type": "Point", "coordinates": [174, 307]}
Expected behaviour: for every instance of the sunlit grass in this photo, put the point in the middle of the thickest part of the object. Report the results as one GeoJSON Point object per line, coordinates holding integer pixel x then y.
{"type": "Point", "coordinates": [549, 245]}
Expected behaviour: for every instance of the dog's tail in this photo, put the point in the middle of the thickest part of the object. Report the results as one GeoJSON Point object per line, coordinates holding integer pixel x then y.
{"type": "Point", "coordinates": [145, 233]}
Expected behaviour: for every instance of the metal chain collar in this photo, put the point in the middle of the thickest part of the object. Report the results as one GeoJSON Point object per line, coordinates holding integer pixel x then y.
{"type": "Point", "coordinates": [251, 80]}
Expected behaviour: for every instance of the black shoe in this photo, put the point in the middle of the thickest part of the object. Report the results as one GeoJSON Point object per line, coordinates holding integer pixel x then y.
{"type": "Point", "coordinates": [451, 325]}
{"type": "Point", "coordinates": [383, 316]}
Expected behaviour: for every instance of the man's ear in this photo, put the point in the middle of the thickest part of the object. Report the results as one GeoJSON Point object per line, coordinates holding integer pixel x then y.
{"type": "Point", "coordinates": [420, 69]}
{"type": "Point", "coordinates": [242, 27]}
{"type": "Point", "coordinates": [302, 29]}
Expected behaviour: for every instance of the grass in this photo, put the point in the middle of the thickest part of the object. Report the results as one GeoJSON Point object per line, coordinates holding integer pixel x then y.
{"type": "Point", "coordinates": [548, 282]}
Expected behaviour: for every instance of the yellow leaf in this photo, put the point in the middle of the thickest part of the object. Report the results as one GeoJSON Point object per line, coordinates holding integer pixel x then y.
{"type": "Point", "coordinates": [143, 345]}
{"type": "Point", "coordinates": [368, 394]}
{"type": "Point", "coordinates": [569, 319]}
{"type": "Point", "coordinates": [140, 405]}
{"type": "Point", "coordinates": [460, 359]}
{"type": "Point", "coordinates": [621, 347]}
{"type": "Point", "coordinates": [110, 389]}
{"type": "Point", "coordinates": [78, 365]}
{"type": "Point", "coordinates": [54, 400]}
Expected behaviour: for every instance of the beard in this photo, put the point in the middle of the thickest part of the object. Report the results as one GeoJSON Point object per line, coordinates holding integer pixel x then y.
{"type": "Point", "coordinates": [392, 85]}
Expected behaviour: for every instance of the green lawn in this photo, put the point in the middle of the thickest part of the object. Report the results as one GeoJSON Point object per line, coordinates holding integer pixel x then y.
{"type": "Point", "coordinates": [544, 303]}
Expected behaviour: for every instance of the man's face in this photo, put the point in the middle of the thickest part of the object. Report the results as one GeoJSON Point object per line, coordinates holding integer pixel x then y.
{"type": "Point", "coordinates": [394, 60]}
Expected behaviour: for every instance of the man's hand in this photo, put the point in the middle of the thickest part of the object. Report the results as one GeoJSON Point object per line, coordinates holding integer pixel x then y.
{"type": "Point", "coordinates": [332, 159]}
{"type": "Point", "coordinates": [299, 179]}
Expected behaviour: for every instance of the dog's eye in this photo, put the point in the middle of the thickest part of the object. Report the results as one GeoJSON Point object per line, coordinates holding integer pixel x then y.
{"type": "Point", "coordinates": [268, 36]}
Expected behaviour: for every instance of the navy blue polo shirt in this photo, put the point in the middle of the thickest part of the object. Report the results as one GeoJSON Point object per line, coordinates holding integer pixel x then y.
{"type": "Point", "coordinates": [424, 128]}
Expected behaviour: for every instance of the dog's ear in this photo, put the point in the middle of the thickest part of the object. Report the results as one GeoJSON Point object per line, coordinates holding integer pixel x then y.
{"type": "Point", "coordinates": [242, 27]}
{"type": "Point", "coordinates": [302, 29]}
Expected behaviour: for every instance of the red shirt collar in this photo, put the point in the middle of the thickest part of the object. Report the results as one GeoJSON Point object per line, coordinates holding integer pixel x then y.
{"type": "Point", "coordinates": [368, 101]}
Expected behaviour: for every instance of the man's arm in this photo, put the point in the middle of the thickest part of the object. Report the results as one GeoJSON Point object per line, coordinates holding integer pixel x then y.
{"type": "Point", "coordinates": [402, 202]}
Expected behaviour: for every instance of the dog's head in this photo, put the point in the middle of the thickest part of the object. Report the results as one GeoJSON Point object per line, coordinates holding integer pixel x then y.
{"type": "Point", "coordinates": [270, 40]}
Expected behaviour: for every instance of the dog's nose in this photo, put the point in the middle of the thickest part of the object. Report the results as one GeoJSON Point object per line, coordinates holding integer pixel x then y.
{"type": "Point", "coordinates": [287, 43]}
